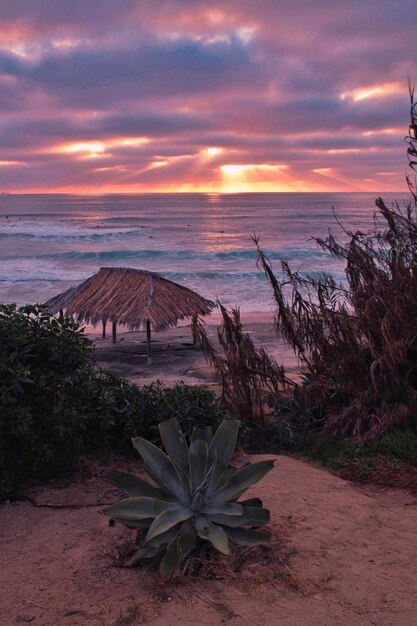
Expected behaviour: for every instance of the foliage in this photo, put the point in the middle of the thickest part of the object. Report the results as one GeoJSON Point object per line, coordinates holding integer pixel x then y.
{"type": "Point", "coordinates": [389, 461]}
{"type": "Point", "coordinates": [191, 493]}
{"type": "Point", "coordinates": [55, 406]}
{"type": "Point", "coordinates": [356, 341]}
{"type": "Point", "coordinates": [127, 410]}
{"type": "Point", "coordinates": [249, 376]}
{"type": "Point", "coordinates": [42, 365]}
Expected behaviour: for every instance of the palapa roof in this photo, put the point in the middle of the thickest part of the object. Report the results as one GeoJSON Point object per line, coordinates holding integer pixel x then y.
{"type": "Point", "coordinates": [130, 297]}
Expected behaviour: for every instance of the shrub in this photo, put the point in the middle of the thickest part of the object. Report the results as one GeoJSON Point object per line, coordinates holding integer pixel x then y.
{"type": "Point", "coordinates": [195, 497]}
{"type": "Point", "coordinates": [123, 409]}
{"type": "Point", "coordinates": [42, 366]}
{"type": "Point", "coordinates": [355, 341]}
{"type": "Point", "coordinates": [249, 376]}
{"type": "Point", "coordinates": [55, 406]}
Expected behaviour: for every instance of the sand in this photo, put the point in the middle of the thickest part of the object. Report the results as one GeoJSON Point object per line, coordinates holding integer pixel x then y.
{"type": "Point", "coordinates": [175, 358]}
{"type": "Point", "coordinates": [354, 561]}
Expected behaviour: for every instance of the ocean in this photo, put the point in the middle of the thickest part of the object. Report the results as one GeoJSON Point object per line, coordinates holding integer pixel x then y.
{"type": "Point", "coordinates": [203, 241]}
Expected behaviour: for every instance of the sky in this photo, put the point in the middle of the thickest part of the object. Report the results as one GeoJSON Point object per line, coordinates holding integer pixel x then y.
{"type": "Point", "coordinates": [104, 96]}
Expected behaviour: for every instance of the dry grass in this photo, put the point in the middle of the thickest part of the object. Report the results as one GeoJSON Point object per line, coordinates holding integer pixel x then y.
{"type": "Point", "coordinates": [356, 342]}
{"type": "Point", "coordinates": [130, 297]}
{"type": "Point", "coordinates": [247, 567]}
{"type": "Point", "coordinates": [249, 376]}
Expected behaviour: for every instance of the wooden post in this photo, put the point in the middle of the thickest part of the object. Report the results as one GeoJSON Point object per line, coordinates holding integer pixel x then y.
{"type": "Point", "coordinates": [61, 312]}
{"type": "Point", "coordinates": [193, 326]}
{"type": "Point", "coordinates": [148, 338]}
{"type": "Point", "coordinates": [104, 329]}
{"type": "Point", "coordinates": [114, 327]}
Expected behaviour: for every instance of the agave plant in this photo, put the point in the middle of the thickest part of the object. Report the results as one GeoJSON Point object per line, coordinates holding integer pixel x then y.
{"type": "Point", "coordinates": [190, 494]}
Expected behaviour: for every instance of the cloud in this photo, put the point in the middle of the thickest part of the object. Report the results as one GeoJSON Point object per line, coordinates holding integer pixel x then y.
{"type": "Point", "coordinates": [312, 85]}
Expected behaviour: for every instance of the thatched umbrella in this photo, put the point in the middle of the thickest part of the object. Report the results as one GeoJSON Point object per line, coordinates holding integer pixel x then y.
{"type": "Point", "coordinates": [137, 299]}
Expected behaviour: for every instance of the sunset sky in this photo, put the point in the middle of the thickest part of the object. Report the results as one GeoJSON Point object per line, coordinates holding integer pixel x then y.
{"type": "Point", "coordinates": [101, 96]}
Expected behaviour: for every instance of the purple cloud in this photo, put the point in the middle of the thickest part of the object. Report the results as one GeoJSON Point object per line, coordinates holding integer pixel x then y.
{"type": "Point", "coordinates": [97, 94]}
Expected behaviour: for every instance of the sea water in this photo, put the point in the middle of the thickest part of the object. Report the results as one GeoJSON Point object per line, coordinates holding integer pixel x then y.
{"type": "Point", "coordinates": [203, 241]}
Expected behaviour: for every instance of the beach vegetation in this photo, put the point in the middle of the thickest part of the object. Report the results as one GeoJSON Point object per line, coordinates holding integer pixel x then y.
{"type": "Point", "coordinates": [248, 375]}
{"type": "Point", "coordinates": [189, 495]}
{"type": "Point", "coordinates": [56, 406]}
{"type": "Point", "coordinates": [355, 339]}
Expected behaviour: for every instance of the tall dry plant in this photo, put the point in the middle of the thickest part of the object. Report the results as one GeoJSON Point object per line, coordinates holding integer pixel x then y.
{"type": "Point", "coordinates": [357, 342]}
{"type": "Point", "coordinates": [248, 375]}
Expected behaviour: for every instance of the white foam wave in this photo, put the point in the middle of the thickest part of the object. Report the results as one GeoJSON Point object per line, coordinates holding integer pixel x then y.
{"type": "Point", "coordinates": [46, 229]}
{"type": "Point", "coordinates": [16, 270]}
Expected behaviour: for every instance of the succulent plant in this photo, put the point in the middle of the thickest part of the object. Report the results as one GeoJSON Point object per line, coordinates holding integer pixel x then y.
{"type": "Point", "coordinates": [190, 494]}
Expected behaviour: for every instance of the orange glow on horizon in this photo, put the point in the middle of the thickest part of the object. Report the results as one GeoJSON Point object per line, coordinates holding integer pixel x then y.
{"type": "Point", "coordinates": [335, 185]}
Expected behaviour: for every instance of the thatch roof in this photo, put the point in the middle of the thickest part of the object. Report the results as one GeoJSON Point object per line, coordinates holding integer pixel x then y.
{"type": "Point", "coordinates": [130, 297]}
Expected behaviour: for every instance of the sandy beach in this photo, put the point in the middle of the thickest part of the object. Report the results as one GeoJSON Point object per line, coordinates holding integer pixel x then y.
{"type": "Point", "coordinates": [173, 355]}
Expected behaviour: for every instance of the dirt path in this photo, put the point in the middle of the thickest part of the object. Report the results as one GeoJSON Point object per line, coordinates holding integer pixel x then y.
{"type": "Point", "coordinates": [355, 562]}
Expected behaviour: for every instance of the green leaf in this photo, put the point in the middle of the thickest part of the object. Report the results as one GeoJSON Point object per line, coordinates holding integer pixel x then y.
{"type": "Point", "coordinates": [162, 469]}
{"type": "Point", "coordinates": [198, 433]}
{"type": "Point", "coordinates": [222, 445]}
{"type": "Point", "coordinates": [167, 520]}
{"type": "Point", "coordinates": [246, 537]}
{"type": "Point", "coordinates": [231, 508]}
{"type": "Point", "coordinates": [166, 537]}
{"type": "Point", "coordinates": [241, 481]}
{"type": "Point", "coordinates": [138, 508]}
{"type": "Point", "coordinates": [134, 486]}
{"type": "Point", "coordinates": [138, 523]}
{"type": "Point", "coordinates": [251, 502]}
{"type": "Point", "coordinates": [174, 442]}
{"type": "Point", "coordinates": [251, 516]}
{"type": "Point", "coordinates": [208, 434]}
{"type": "Point", "coordinates": [215, 534]}
{"type": "Point", "coordinates": [147, 552]}
{"type": "Point", "coordinates": [176, 552]}
{"type": "Point", "coordinates": [197, 461]}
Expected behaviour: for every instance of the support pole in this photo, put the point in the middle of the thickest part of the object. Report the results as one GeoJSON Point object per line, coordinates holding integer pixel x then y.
{"type": "Point", "coordinates": [148, 338]}
{"type": "Point", "coordinates": [114, 327]}
{"type": "Point", "coordinates": [104, 329]}
{"type": "Point", "coordinates": [193, 329]}
{"type": "Point", "coordinates": [61, 312]}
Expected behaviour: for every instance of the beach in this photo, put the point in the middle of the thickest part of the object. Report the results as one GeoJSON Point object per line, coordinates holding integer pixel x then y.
{"type": "Point", "coordinates": [202, 241]}
{"type": "Point", "coordinates": [175, 358]}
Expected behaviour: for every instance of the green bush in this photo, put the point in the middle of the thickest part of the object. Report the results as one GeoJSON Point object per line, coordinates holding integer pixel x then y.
{"type": "Point", "coordinates": [339, 454]}
{"type": "Point", "coordinates": [55, 406]}
{"type": "Point", "coordinates": [124, 410]}
{"type": "Point", "coordinates": [42, 365]}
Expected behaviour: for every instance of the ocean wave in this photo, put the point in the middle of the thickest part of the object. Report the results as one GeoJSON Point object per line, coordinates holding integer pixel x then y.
{"type": "Point", "coordinates": [27, 270]}
{"type": "Point", "coordinates": [47, 230]}
{"type": "Point", "coordinates": [294, 253]}
{"type": "Point", "coordinates": [213, 275]}
{"type": "Point", "coordinates": [114, 255]}
{"type": "Point", "coordinates": [30, 269]}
